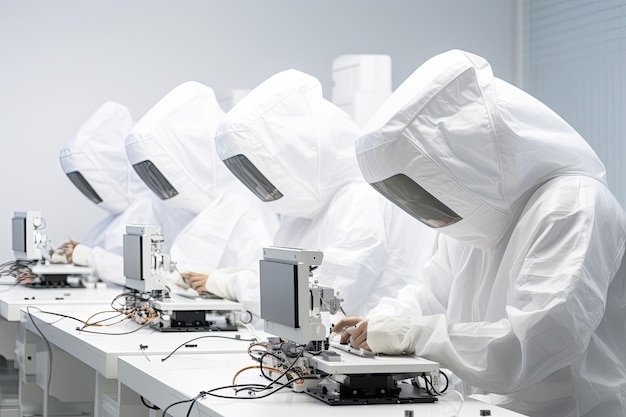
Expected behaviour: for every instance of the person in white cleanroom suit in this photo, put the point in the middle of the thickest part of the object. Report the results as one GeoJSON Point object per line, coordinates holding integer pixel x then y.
{"type": "Point", "coordinates": [524, 299]}
{"type": "Point", "coordinates": [95, 161]}
{"type": "Point", "coordinates": [295, 151]}
{"type": "Point", "coordinates": [173, 148]}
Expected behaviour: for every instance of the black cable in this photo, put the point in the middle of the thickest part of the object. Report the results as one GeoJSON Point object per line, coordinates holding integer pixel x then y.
{"type": "Point", "coordinates": [47, 344]}
{"type": "Point", "coordinates": [19, 269]}
{"type": "Point", "coordinates": [259, 387]}
{"type": "Point", "coordinates": [240, 387]}
{"type": "Point", "coordinates": [296, 371]}
{"type": "Point", "coordinates": [256, 397]}
{"type": "Point", "coordinates": [252, 352]}
{"type": "Point", "coordinates": [59, 314]}
{"type": "Point", "coordinates": [151, 407]}
{"type": "Point", "coordinates": [193, 402]}
{"type": "Point", "coordinates": [447, 381]}
{"type": "Point", "coordinates": [176, 403]}
{"type": "Point", "coordinates": [203, 337]}
{"type": "Point", "coordinates": [122, 306]}
{"type": "Point", "coordinates": [74, 318]}
{"type": "Point", "coordinates": [428, 384]}
{"type": "Point", "coordinates": [263, 355]}
{"type": "Point", "coordinates": [62, 316]}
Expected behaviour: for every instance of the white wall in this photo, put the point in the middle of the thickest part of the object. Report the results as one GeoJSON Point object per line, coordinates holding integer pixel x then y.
{"type": "Point", "coordinates": [574, 60]}
{"type": "Point", "coordinates": [61, 59]}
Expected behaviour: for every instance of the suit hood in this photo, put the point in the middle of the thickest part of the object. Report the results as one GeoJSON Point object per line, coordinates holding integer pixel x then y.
{"type": "Point", "coordinates": [462, 151]}
{"type": "Point", "coordinates": [172, 148]}
{"type": "Point", "coordinates": [289, 145]}
{"type": "Point", "coordinates": [95, 159]}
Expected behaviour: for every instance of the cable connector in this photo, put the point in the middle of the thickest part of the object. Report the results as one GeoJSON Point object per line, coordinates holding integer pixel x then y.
{"type": "Point", "coordinates": [143, 348]}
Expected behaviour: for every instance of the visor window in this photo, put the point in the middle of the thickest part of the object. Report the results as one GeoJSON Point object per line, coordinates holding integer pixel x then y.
{"type": "Point", "coordinates": [81, 183]}
{"type": "Point", "coordinates": [252, 178]}
{"type": "Point", "coordinates": [419, 203]}
{"type": "Point", "coordinates": [155, 180]}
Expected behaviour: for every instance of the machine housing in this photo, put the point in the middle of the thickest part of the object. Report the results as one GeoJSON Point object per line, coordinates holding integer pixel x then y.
{"type": "Point", "coordinates": [292, 308]}
{"type": "Point", "coordinates": [146, 268]}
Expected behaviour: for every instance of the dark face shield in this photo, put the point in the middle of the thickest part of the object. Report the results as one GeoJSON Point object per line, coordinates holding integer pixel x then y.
{"type": "Point", "coordinates": [419, 203]}
{"type": "Point", "coordinates": [252, 178]}
{"type": "Point", "coordinates": [155, 180]}
{"type": "Point", "coordinates": [81, 183]}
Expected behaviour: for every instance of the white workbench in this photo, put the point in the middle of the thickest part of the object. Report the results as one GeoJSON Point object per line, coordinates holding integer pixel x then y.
{"type": "Point", "coordinates": [183, 377]}
{"type": "Point", "coordinates": [92, 358]}
{"type": "Point", "coordinates": [12, 299]}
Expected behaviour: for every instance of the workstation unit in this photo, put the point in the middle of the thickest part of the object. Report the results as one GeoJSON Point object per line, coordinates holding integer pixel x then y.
{"type": "Point", "coordinates": [105, 375]}
{"type": "Point", "coordinates": [324, 380]}
{"type": "Point", "coordinates": [183, 377]}
{"type": "Point", "coordinates": [130, 368]}
{"type": "Point", "coordinates": [82, 374]}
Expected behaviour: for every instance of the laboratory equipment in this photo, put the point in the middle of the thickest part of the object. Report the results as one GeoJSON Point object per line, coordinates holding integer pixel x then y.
{"type": "Point", "coordinates": [27, 235]}
{"type": "Point", "coordinates": [146, 268]}
{"type": "Point", "coordinates": [31, 248]}
{"type": "Point", "coordinates": [293, 307]}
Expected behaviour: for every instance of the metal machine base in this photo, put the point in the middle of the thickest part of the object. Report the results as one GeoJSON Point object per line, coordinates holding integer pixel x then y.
{"type": "Point", "coordinates": [55, 281]}
{"type": "Point", "coordinates": [368, 389]}
{"type": "Point", "coordinates": [195, 321]}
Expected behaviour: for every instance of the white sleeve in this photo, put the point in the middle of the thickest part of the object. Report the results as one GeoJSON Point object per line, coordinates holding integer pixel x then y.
{"type": "Point", "coordinates": [108, 266]}
{"type": "Point", "coordinates": [554, 299]}
{"type": "Point", "coordinates": [405, 303]}
{"type": "Point", "coordinates": [427, 295]}
{"type": "Point", "coordinates": [219, 283]}
{"type": "Point", "coordinates": [390, 335]}
{"type": "Point", "coordinates": [238, 285]}
{"type": "Point", "coordinates": [82, 255]}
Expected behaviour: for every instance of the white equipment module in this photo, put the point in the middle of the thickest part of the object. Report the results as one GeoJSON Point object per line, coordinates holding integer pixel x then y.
{"type": "Point", "coordinates": [146, 268]}
{"type": "Point", "coordinates": [292, 308]}
{"type": "Point", "coordinates": [32, 251]}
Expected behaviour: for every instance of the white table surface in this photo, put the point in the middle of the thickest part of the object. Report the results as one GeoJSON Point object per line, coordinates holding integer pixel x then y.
{"type": "Point", "coordinates": [184, 376]}
{"type": "Point", "coordinates": [100, 351]}
{"type": "Point", "coordinates": [14, 298]}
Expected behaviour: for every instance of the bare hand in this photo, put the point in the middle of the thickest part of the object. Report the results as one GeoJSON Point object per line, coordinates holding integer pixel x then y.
{"type": "Point", "coordinates": [63, 254]}
{"type": "Point", "coordinates": [354, 331]}
{"type": "Point", "coordinates": [195, 280]}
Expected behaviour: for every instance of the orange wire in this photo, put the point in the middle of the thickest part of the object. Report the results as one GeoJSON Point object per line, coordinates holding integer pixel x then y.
{"type": "Point", "coordinates": [268, 368]}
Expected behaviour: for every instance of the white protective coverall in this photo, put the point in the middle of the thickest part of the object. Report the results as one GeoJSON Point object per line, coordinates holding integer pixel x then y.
{"type": "Point", "coordinates": [524, 298]}
{"type": "Point", "coordinates": [295, 151]}
{"type": "Point", "coordinates": [230, 227]}
{"type": "Point", "coordinates": [95, 161]}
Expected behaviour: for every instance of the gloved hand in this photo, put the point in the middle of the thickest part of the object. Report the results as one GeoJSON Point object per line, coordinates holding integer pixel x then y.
{"type": "Point", "coordinates": [63, 254]}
